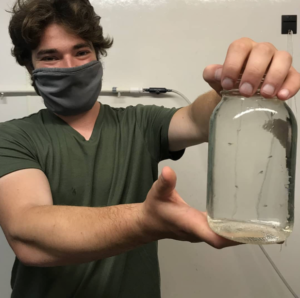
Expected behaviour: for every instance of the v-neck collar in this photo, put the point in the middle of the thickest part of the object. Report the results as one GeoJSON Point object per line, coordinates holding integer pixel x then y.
{"type": "Point", "coordinates": [74, 132]}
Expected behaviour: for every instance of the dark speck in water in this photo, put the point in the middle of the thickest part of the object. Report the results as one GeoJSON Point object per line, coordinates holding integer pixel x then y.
{"type": "Point", "coordinates": [261, 172]}
{"type": "Point", "coordinates": [265, 205]}
{"type": "Point", "coordinates": [270, 156]}
{"type": "Point", "coordinates": [236, 186]}
{"type": "Point", "coordinates": [229, 144]}
{"type": "Point", "coordinates": [74, 191]}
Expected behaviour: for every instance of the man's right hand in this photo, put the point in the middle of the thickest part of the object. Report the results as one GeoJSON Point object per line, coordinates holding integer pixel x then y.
{"type": "Point", "coordinates": [167, 215]}
{"type": "Point", "coordinates": [46, 235]}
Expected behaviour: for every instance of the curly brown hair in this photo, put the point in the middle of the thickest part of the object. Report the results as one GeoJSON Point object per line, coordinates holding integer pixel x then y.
{"type": "Point", "coordinates": [31, 17]}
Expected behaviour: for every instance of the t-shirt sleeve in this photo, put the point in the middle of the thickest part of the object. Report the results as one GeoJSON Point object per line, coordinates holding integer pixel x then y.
{"type": "Point", "coordinates": [154, 122]}
{"type": "Point", "coordinates": [16, 151]}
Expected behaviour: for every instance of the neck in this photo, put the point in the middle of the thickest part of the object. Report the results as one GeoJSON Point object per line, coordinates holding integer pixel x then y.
{"type": "Point", "coordinates": [83, 123]}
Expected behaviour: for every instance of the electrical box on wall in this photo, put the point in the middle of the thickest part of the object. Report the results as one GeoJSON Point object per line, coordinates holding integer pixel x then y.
{"type": "Point", "coordinates": [288, 23]}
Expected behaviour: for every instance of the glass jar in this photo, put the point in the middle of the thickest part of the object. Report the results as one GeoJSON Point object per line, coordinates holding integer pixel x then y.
{"type": "Point", "coordinates": [251, 169]}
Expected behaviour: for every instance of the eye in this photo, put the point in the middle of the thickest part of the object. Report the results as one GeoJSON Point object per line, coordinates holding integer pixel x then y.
{"type": "Point", "coordinates": [83, 53]}
{"type": "Point", "coordinates": [48, 58]}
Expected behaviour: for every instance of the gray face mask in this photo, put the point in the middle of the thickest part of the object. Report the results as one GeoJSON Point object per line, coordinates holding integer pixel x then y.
{"type": "Point", "coordinates": [69, 91]}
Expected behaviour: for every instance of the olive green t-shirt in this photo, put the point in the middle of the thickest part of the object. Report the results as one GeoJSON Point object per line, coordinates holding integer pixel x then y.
{"type": "Point", "coordinates": [118, 165]}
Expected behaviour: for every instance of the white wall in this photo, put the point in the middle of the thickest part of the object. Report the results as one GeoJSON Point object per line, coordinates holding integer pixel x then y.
{"type": "Point", "coordinates": [168, 43]}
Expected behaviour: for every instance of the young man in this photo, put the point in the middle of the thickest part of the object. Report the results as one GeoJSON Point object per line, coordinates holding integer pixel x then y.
{"type": "Point", "coordinates": [78, 199]}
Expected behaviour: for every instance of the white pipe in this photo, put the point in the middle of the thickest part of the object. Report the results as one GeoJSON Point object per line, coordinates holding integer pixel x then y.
{"type": "Point", "coordinates": [33, 93]}
{"type": "Point", "coordinates": [113, 91]}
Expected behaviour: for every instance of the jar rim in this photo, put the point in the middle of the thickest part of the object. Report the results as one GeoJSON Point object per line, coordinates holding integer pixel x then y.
{"type": "Point", "coordinates": [236, 92]}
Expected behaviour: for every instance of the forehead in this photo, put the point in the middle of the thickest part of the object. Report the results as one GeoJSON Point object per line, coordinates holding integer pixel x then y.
{"type": "Point", "coordinates": [56, 36]}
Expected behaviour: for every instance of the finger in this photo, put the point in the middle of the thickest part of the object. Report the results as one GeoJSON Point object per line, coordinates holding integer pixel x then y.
{"type": "Point", "coordinates": [257, 65]}
{"type": "Point", "coordinates": [166, 182]}
{"type": "Point", "coordinates": [237, 55]}
{"type": "Point", "coordinates": [212, 75]}
{"type": "Point", "coordinates": [291, 85]}
{"type": "Point", "coordinates": [277, 74]}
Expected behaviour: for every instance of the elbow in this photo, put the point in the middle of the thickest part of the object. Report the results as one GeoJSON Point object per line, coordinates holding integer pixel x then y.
{"type": "Point", "coordinates": [23, 251]}
{"type": "Point", "coordinates": [30, 256]}
{"type": "Point", "coordinates": [24, 254]}
{"type": "Point", "coordinates": [26, 251]}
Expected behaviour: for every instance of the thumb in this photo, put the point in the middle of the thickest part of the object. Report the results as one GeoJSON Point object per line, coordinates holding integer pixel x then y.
{"type": "Point", "coordinates": [166, 182]}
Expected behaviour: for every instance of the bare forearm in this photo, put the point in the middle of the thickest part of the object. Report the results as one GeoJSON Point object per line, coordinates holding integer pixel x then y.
{"type": "Point", "coordinates": [201, 110]}
{"type": "Point", "coordinates": [190, 125]}
{"type": "Point", "coordinates": [58, 235]}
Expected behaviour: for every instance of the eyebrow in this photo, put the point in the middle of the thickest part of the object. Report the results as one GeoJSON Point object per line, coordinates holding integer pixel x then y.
{"type": "Point", "coordinates": [82, 45]}
{"type": "Point", "coordinates": [55, 51]}
{"type": "Point", "coordinates": [45, 52]}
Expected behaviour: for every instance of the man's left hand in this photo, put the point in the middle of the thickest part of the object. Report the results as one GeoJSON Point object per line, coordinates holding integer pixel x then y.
{"type": "Point", "coordinates": [255, 60]}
